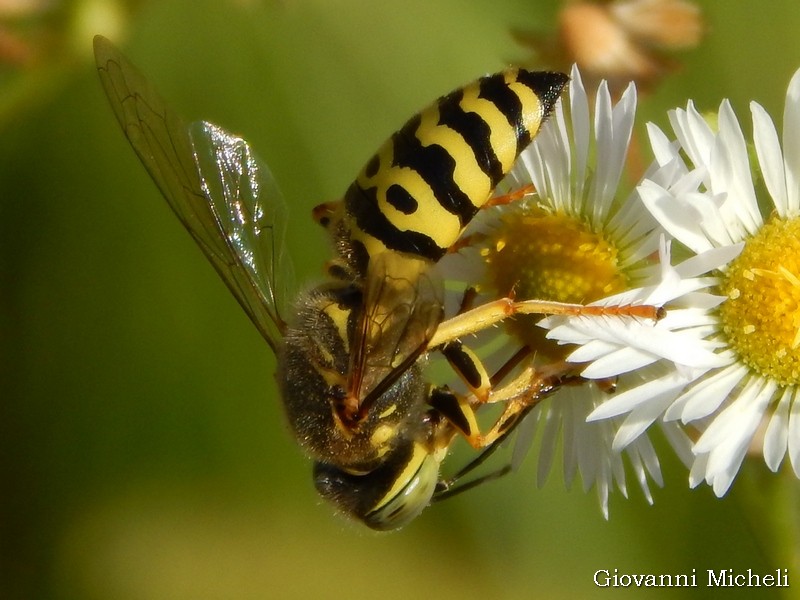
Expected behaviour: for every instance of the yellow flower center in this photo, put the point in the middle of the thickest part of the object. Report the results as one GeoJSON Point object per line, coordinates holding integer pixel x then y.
{"type": "Point", "coordinates": [550, 256]}
{"type": "Point", "coordinates": [761, 317]}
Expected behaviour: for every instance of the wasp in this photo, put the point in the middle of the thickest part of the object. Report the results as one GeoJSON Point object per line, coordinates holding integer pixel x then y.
{"type": "Point", "coordinates": [350, 357]}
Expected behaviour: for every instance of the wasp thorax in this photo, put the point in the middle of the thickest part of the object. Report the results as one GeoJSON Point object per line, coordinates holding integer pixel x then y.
{"type": "Point", "coordinates": [315, 366]}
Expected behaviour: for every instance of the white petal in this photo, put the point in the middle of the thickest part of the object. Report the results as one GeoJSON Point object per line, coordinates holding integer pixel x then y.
{"type": "Point", "coordinates": [728, 436]}
{"type": "Point", "coordinates": [579, 114]}
{"type": "Point", "coordinates": [569, 441]}
{"type": "Point", "coordinates": [770, 157]}
{"type": "Point", "coordinates": [668, 386]}
{"type": "Point", "coordinates": [677, 214]}
{"type": "Point", "coordinates": [670, 292]}
{"type": "Point", "coordinates": [794, 433]}
{"type": "Point", "coordinates": [611, 160]}
{"type": "Point", "coordinates": [664, 150]}
{"type": "Point", "coordinates": [689, 182]}
{"type": "Point", "coordinates": [603, 130]}
{"type": "Point", "coordinates": [777, 434]}
{"type": "Point", "coordinates": [697, 316]}
{"type": "Point", "coordinates": [791, 144]}
{"type": "Point", "coordinates": [548, 446]}
{"type": "Point", "coordinates": [697, 474]}
{"type": "Point", "coordinates": [602, 496]}
{"type": "Point", "coordinates": [525, 435]}
{"type": "Point", "coordinates": [639, 420]}
{"type": "Point", "coordinates": [591, 350]}
{"type": "Point", "coordinates": [694, 134]}
{"type": "Point", "coordinates": [641, 475]}
{"type": "Point", "coordinates": [556, 159]}
{"type": "Point", "coordinates": [707, 394]}
{"type": "Point", "coordinates": [730, 169]}
{"type": "Point", "coordinates": [532, 165]}
{"type": "Point", "coordinates": [680, 347]}
{"type": "Point", "coordinates": [719, 223]}
{"type": "Point", "coordinates": [624, 360]}
{"type": "Point", "coordinates": [679, 441]}
{"type": "Point", "coordinates": [704, 262]}
{"type": "Point", "coordinates": [737, 415]}
{"type": "Point", "coordinates": [644, 449]}
{"type": "Point", "coordinates": [613, 467]}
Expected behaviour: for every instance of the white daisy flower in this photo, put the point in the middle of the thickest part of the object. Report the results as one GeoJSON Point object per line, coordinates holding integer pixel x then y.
{"type": "Point", "coordinates": [756, 330]}
{"type": "Point", "coordinates": [579, 239]}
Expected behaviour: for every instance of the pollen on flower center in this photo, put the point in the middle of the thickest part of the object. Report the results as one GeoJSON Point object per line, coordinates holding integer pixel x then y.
{"type": "Point", "coordinates": [549, 256]}
{"type": "Point", "coordinates": [761, 317]}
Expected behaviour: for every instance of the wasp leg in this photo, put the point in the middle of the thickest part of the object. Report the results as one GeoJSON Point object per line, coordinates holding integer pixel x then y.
{"type": "Point", "coordinates": [510, 197]}
{"type": "Point", "coordinates": [511, 364]}
{"type": "Point", "coordinates": [465, 241]}
{"type": "Point", "coordinates": [446, 488]}
{"type": "Point", "coordinates": [464, 361]}
{"type": "Point", "coordinates": [523, 392]}
{"type": "Point", "coordinates": [469, 368]}
{"type": "Point", "coordinates": [521, 403]}
{"type": "Point", "coordinates": [521, 395]}
{"type": "Point", "coordinates": [468, 299]}
{"type": "Point", "coordinates": [494, 312]}
{"type": "Point", "coordinates": [459, 414]}
{"type": "Point", "coordinates": [470, 240]}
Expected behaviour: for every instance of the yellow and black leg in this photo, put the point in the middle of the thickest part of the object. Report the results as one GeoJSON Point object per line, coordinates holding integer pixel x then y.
{"type": "Point", "coordinates": [469, 368]}
{"type": "Point", "coordinates": [520, 396]}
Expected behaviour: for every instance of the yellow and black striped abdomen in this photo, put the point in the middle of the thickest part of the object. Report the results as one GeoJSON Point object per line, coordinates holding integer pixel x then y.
{"type": "Point", "coordinates": [429, 179]}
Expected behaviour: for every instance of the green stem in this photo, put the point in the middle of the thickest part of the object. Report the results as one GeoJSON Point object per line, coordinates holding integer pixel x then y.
{"type": "Point", "coordinates": [771, 506]}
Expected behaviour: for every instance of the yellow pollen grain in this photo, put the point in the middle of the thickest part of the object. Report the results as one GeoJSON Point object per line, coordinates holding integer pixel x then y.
{"type": "Point", "coordinates": [761, 317]}
{"type": "Point", "coordinates": [550, 256]}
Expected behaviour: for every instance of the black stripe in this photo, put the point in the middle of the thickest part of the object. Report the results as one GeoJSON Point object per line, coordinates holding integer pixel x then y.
{"type": "Point", "coordinates": [327, 343]}
{"type": "Point", "coordinates": [363, 206]}
{"type": "Point", "coordinates": [463, 363]}
{"type": "Point", "coordinates": [435, 165]}
{"type": "Point", "coordinates": [399, 197]}
{"type": "Point", "coordinates": [444, 401]}
{"type": "Point", "coordinates": [495, 89]}
{"type": "Point", "coordinates": [546, 85]}
{"type": "Point", "coordinates": [474, 130]}
{"type": "Point", "coordinates": [372, 166]}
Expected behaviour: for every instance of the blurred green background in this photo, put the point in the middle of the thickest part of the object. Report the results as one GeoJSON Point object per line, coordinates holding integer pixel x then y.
{"type": "Point", "coordinates": [143, 453]}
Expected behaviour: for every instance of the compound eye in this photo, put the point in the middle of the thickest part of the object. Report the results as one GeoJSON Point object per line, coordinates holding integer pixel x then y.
{"type": "Point", "coordinates": [388, 497]}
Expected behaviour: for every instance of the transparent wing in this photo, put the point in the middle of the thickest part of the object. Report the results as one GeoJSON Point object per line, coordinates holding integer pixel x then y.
{"type": "Point", "coordinates": [403, 306]}
{"type": "Point", "coordinates": [224, 196]}
{"type": "Point", "coordinates": [249, 210]}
